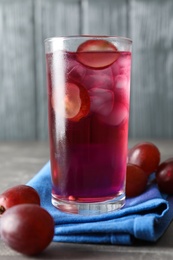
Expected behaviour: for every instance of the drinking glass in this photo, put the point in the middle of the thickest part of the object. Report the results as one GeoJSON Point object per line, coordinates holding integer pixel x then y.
{"type": "Point", "coordinates": [88, 87]}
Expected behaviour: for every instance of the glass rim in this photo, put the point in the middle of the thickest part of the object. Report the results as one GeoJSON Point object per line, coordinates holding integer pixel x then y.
{"type": "Point", "coordinates": [89, 36]}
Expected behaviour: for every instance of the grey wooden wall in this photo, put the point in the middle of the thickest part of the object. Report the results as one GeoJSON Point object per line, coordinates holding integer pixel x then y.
{"type": "Point", "coordinates": [24, 24]}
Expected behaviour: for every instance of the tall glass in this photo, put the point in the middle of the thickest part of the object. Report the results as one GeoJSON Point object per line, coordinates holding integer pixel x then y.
{"type": "Point", "coordinates": [88, 86]}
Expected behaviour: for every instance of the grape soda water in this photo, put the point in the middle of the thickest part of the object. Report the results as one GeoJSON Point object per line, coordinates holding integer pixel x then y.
{"type": "Point", "coordinates": [88, 109]}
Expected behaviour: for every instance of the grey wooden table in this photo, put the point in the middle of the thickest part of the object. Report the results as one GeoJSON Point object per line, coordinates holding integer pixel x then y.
{"type": "Point", "coordinates": [20, 161]}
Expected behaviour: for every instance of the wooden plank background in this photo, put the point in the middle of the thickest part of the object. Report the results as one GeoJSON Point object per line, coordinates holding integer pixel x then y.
{"type": "Point", "coordinates": [24, 24]}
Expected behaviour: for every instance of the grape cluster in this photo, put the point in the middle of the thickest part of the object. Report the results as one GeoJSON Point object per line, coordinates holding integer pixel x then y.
{"type": "Point", "coordinates": [144, 160]}
{"type": "Point", "coordinates": [24, 225]}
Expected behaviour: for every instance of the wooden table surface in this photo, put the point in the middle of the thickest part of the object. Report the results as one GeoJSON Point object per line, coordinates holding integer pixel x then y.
{"type": "Point", "coordinates": [20, 161]}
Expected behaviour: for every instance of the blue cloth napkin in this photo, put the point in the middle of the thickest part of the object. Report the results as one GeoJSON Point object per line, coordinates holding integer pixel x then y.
{"type": "Point", "coordinates": [145, 217]}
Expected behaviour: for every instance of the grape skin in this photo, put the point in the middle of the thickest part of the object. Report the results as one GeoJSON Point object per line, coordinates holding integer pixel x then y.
{"type": "Point", "coordinates": [27, 228]}
{"type": "Point", "coordinates": [136, 180]}
{"type": "Point", "coordinates": [19, 194]}
{"type": "Point", "coordinates": [146, 155]}
{"type": "Point", "coordinates": [164, 176]}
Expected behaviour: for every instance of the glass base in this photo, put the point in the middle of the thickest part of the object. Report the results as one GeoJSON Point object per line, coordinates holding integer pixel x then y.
{"type": "Point", "coordinates": [88, 209]}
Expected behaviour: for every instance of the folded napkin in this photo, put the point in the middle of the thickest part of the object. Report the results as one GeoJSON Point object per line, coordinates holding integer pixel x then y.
{"type": "Point", "coordinates": [145, 217]}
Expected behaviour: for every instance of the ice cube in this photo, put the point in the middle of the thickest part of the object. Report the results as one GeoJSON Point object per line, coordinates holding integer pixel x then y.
{"type": "Point", "coordinates": [118, 114]}
{"type": "Point", "coordinates": [121, 82]}
{"type": "Point", "coordinates": [115, 68]}
{"type": "Point", "coordinates": [125, 60]}
{"type": "Point", "coordinates": [122, 66]}
{"type": "Point", "coordinates": [98, 79]}
{"type": "Point", "coordinates": [102, 101]}
{"type": "Point", "coordinates": [124, 63]}
{"type": "Point", "coordinates": [75, 70]}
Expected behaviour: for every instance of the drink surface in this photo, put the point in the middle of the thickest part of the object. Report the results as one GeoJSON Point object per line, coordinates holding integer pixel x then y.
{"type": "Point", "coordinates": [88, 100]}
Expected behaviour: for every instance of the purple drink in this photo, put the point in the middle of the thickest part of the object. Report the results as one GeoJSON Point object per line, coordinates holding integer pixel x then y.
{"type": "Point", "coordinates": [88, 104]}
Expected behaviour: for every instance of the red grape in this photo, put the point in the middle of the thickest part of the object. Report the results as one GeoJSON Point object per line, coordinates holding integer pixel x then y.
{"type": "Point", "coordinates": [146, 155]}
{"type": "Point", "coordinates": [77, 102]}
{"type": "Point", "coordinates": [97, 53]}
{"type": "Point", "coordinates": [164, 176]}
{"type": "Point", "coordinates": [27, 228]}
{"type": "Point", "coordinates": [18, 195]}
{"type": "Point", "coordinates": [136, 180]}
